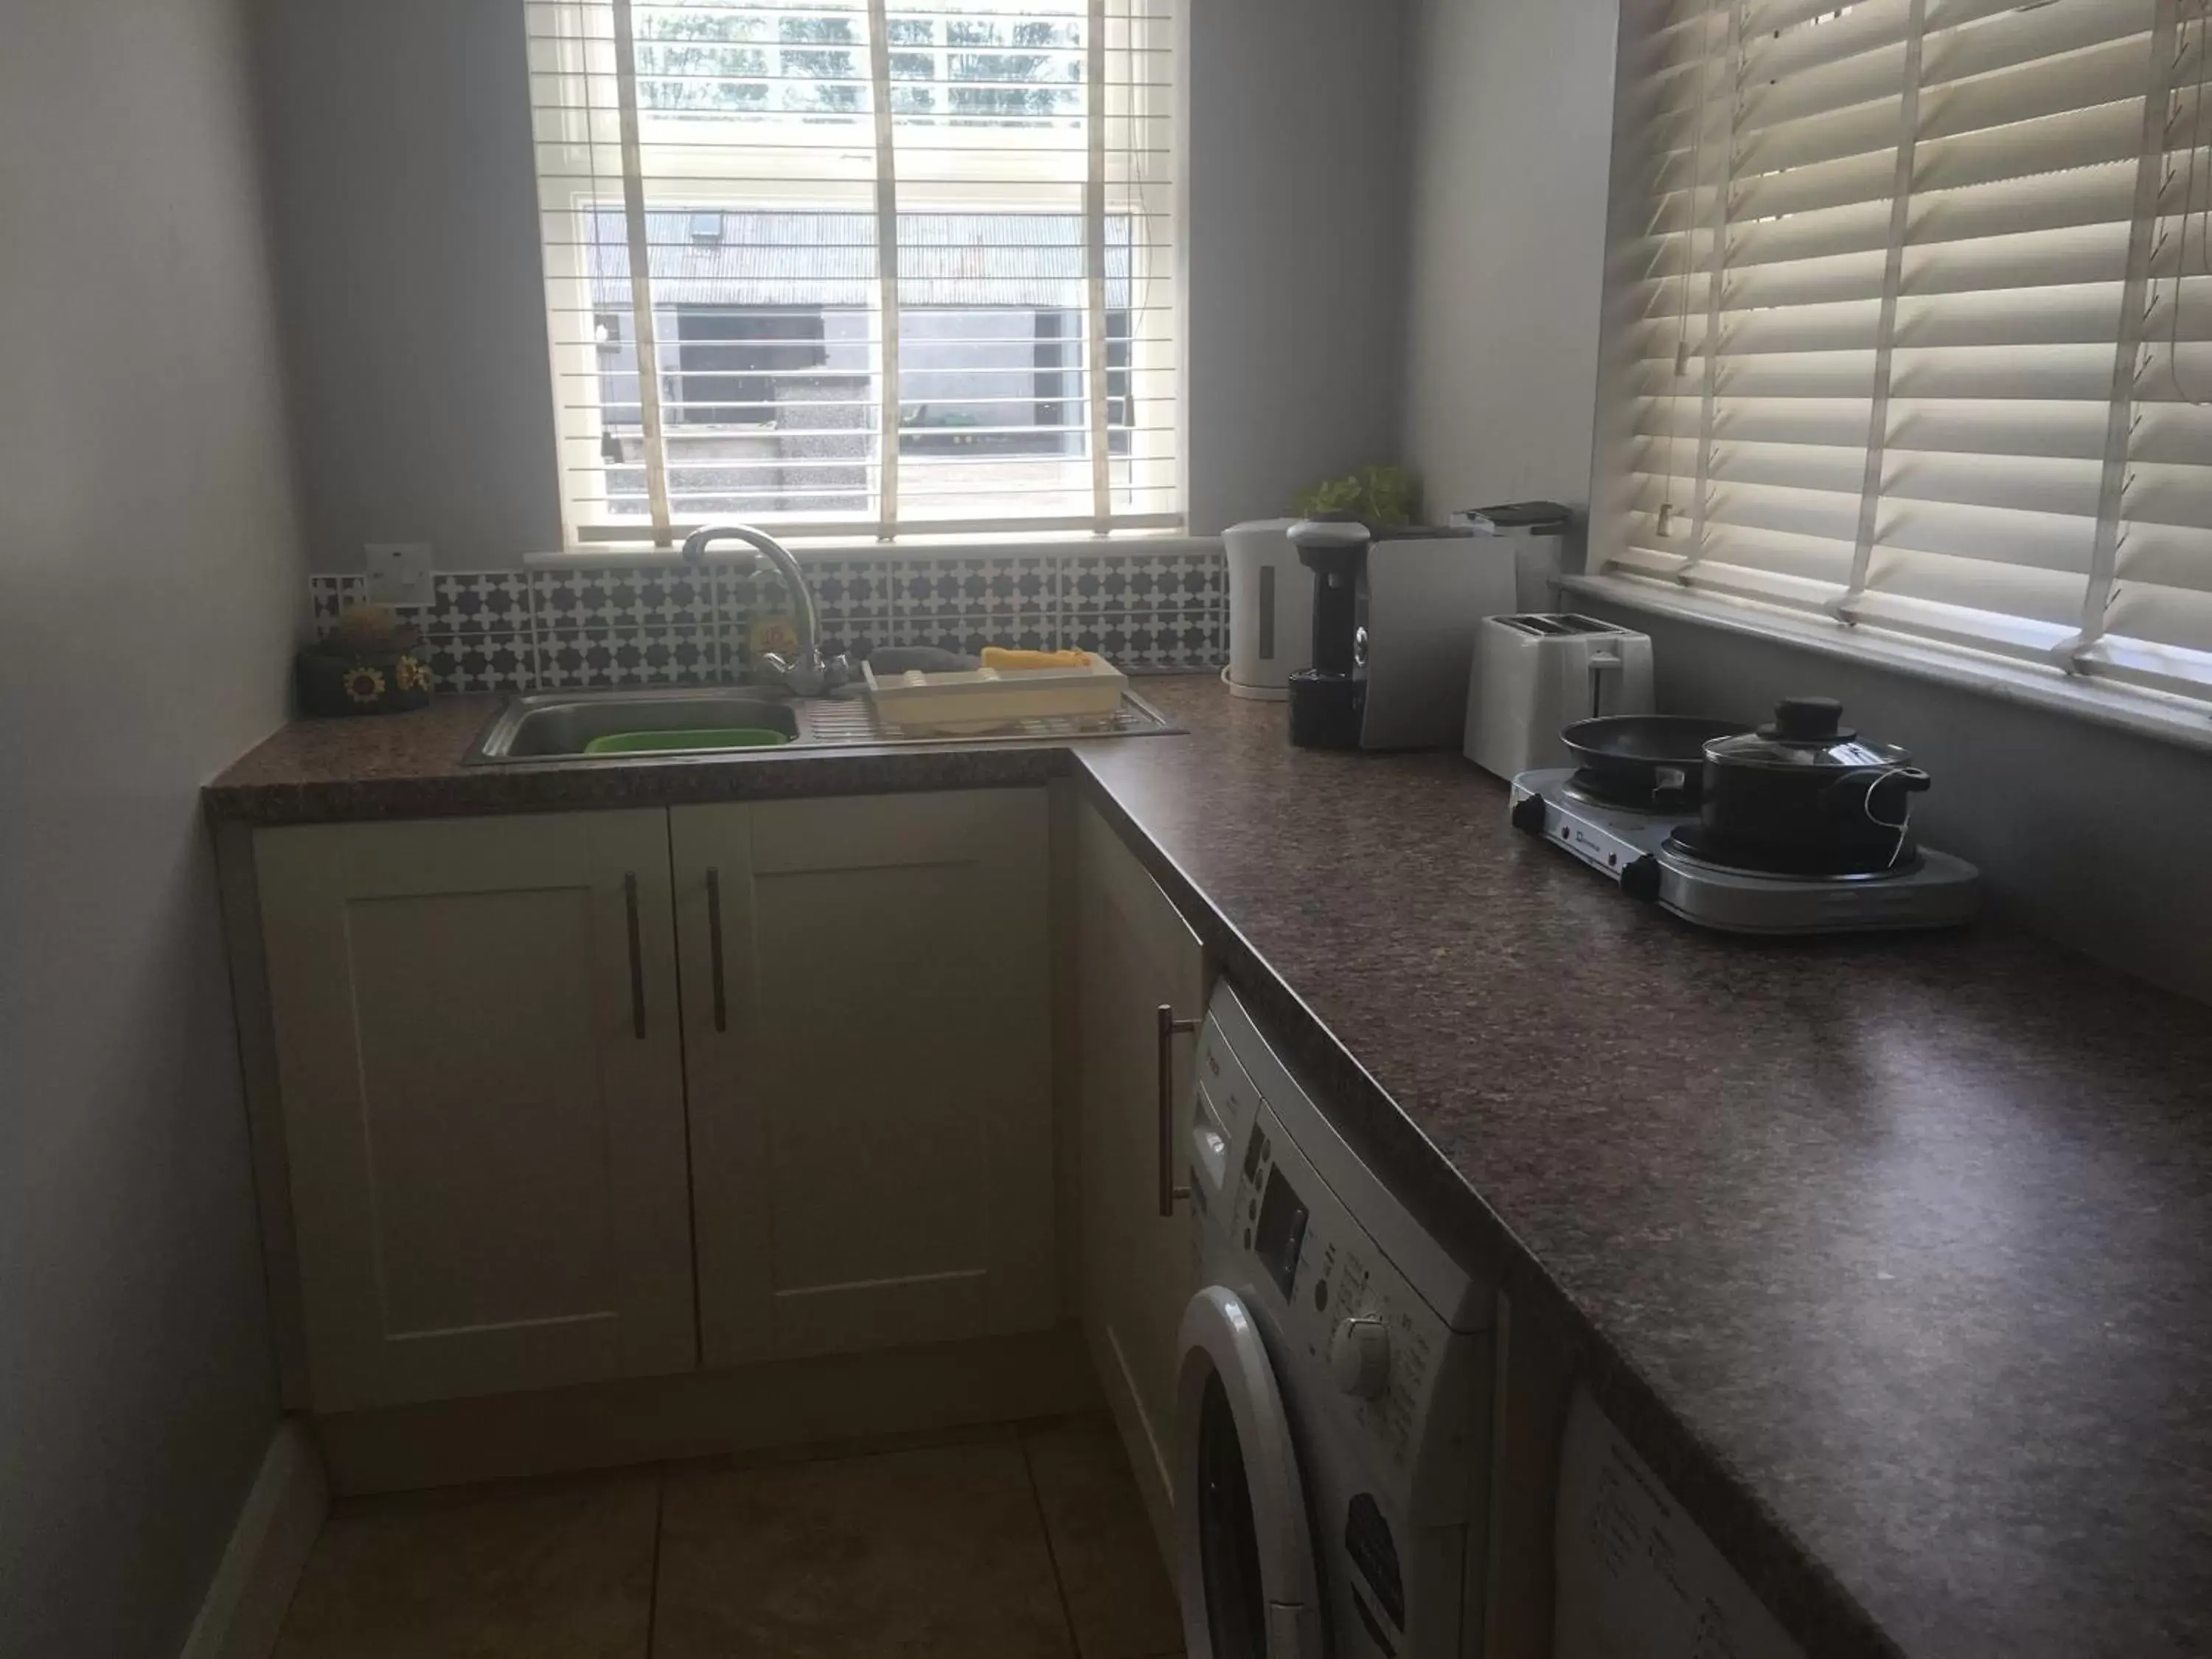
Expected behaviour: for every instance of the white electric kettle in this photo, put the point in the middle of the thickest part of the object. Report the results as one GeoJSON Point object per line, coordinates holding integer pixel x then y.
{"type": "Point", "coordinates": [1270, 609]}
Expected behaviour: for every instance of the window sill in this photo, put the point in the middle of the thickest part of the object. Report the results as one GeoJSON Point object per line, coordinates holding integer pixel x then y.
{"type": "Point", "coordinates": [2145, 714]}
{"type": "Point", "coordinates": [1049, 544]}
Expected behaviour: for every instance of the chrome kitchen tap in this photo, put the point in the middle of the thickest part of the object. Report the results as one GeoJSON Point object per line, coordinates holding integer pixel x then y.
{"type": "Point", "coordinates": [806, 674]}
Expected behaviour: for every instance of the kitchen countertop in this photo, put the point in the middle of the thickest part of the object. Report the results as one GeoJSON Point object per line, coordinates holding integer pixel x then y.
{"type": "Point", "coordinates": [1893, 1255]}
{"type": "Point", "coordinates": [405, 766]}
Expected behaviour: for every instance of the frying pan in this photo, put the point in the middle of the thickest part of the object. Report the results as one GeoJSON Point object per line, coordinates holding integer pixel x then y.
{"type": "Point", "coordinates": [1655, 760]}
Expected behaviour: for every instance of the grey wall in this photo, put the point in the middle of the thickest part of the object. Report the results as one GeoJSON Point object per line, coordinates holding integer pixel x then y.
{"type": "Point", "coordinates": [1295, 233]}
{"type": "Point", "coordinates": [404, 205]}
{"type": "Point", "coordinates": [406, 230]}
{"type": "Point", "coordinates": [147, 540]}
{"type": "Point", "coordinates": [1511, 132]}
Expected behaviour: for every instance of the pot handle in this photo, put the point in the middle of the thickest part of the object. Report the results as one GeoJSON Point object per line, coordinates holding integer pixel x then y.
{"type": "Point", "coordinates": [1670, 788]}
{"type": "Point", "coordinates": [1853, 794]}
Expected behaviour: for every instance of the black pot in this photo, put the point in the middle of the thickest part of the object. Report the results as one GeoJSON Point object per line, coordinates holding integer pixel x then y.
{"type": "Point", "coordinates": [1643, 760]}
{"type": "Point", "coordinates": [1804, 795]}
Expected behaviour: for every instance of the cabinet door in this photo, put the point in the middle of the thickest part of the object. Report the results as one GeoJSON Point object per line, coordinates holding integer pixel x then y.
{"type": "Point", "coordinates": [868, 1040]}
{"type": "Point", "coordinates": [1139, 1267]}
{"type": "Point", "coordinates": [481, 1076]}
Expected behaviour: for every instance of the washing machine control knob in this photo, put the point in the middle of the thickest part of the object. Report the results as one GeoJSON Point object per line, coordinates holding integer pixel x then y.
{"type": "Point", "coordinates": [1359, 1358]}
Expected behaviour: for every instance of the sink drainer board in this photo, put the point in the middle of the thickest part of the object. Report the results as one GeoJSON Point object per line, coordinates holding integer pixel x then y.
{"type": "Point", "coordinates": [985, 699]}
{"type": "Point", "coordinates": [551, 728]}
{"type": "Point", "coordinates": [835, 721]}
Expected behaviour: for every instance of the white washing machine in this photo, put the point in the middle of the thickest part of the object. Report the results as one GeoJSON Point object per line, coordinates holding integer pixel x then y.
{"type": "Point", "coordinates": [1332, 1434]}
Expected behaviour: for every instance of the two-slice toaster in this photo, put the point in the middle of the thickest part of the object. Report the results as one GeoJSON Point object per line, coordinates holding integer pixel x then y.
{"type": "Point", "coordinates": [1536, 672]}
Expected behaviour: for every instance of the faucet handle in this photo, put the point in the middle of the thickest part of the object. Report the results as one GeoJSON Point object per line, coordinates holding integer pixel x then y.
{"type": "Point", "coordinates": [801, 678]}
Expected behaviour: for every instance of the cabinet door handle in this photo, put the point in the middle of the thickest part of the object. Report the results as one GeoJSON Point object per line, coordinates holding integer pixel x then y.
{"type": "Point", "coordinates": [715, 947]}
{"type": "Point", "coordinates": [1168, 1030]}
{"type": "Point", "coordinates": [637, 958]}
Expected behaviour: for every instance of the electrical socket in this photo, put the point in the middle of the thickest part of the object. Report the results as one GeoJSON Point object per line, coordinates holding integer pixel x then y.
{"type": "Point", "coordinates": [398, 572]}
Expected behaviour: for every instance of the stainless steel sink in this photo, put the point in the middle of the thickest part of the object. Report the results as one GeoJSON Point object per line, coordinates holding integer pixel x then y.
{"type": "Point", "coordinates": [552, 727]}
{"type": "Point", "coordinates": [556, 726]}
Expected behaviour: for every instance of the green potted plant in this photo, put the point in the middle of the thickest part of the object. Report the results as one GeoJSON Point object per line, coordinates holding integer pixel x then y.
{"type": "Point", "coordinates": [1380, 495]}
{"type": "Point", "coordinates": [366, 665]}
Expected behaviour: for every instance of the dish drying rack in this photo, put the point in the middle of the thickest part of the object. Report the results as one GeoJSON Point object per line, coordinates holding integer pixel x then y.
{"type": "Point", "coordinates": [987, 699]}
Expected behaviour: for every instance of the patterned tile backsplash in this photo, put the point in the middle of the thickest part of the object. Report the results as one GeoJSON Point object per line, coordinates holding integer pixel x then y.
{"type": "Point", "coordinates": [617, 625]}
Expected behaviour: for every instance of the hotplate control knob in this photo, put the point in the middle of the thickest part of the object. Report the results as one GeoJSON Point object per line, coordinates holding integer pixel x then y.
{"type": "Point", "coordinates": [1359, 1358]}
{"type": "Point", "coordinates": [1640, 880]}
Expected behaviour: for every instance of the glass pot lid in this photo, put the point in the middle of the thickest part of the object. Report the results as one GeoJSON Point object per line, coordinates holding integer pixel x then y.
{"type": "Point", "coordinates": [1805, 733]}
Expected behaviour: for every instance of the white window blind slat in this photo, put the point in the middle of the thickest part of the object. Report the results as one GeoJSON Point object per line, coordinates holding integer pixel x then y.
{"type": "Point", "coordinates": [2109, 134]}
{"type": "Point", "coordinates": [2039, 485]}
{"type": "Point", "coordinates": [2054, 315]}
{"type": "Point", "coordinates": [1809, 398]}
{"type": "Point", "coordinates": [2074, 229]}
{"type": "Point", "coordinates": [2034, 88]}
{"type": "Point", "coordinates": [1978, 532]}
{"type": "Point", "coordinates": [845, 265]}
{"type": "Point", "coordinates": [1917, 328]}
{"type": "Point", "coordinates": [1853, 54]}
{"type": "Point", "coordinates": [2027, 431]}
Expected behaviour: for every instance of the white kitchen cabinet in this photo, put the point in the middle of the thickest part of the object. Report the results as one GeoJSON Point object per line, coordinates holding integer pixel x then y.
{"type": "Point", "coordinates": [868, 1050]}
{"type": "Point", "coordinates": [1139, 1271]}
{"type": "Point", "coordinates": [481, 1084]}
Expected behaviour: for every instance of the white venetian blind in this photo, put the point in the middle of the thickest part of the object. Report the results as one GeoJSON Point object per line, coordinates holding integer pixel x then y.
{"type": "Point", "coordinates": [859, 266]}
{"type": "Point", "coordinates": [1924, 323]}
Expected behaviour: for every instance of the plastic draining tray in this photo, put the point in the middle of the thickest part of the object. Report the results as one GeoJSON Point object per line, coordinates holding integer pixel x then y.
{"type": "Point", "coordinates": [986, 699]}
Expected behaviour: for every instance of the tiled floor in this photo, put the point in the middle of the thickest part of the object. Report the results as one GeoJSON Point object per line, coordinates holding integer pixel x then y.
{"type": "Point", "coordinates": [1003, 1543]}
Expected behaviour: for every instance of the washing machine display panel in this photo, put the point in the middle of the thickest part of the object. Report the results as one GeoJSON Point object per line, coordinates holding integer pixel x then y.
{"type": "Point", "coordinates": [1281, 1233]}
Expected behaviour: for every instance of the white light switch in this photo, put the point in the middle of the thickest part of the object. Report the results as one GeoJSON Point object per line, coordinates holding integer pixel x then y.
{"type": "Point", "coordinates": [398, 572]}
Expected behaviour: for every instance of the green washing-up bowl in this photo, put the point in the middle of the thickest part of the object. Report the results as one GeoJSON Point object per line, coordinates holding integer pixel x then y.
{"type": "Point", "coordinates": [649, 743]}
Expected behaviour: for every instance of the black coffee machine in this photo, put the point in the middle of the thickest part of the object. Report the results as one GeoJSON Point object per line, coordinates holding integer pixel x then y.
{"type": "Point", "coordinates": [1395, 612]}
{"type": "Point", "coordinates": [1328, 701]}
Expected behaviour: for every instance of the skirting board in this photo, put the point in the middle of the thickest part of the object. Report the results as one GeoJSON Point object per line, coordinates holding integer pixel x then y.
{"type": "Point", "coordinates": [708, 1413]}
{"type": "Point", "coordinates": [275, 1527]}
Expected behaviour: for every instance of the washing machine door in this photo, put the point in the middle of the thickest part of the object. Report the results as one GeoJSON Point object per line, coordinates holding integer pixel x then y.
{"type": "Point", "coordinates": [1245, 1556]}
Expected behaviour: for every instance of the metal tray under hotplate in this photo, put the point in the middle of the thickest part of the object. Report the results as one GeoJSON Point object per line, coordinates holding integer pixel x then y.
{"type": "Point", "coordinates": [1636, 848]}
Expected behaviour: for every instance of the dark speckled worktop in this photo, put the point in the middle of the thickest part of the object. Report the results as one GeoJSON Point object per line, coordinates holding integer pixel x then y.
{"type": "Point", "coordinates": [1894, 1255]}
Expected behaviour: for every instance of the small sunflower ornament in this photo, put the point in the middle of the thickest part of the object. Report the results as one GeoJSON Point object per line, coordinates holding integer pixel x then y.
{"type": "Point", "coordinates": [364, 665]}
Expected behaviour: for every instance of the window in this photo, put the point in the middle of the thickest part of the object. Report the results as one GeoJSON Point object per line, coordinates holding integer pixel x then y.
{"type": "Point", "coordinates": [859, 266]}
{"type": "Point", "coordinates": [1912, 327]}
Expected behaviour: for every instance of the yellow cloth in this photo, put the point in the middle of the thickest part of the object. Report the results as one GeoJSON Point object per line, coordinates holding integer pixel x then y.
{"type": "Point", "coordinates": [998, 656]}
